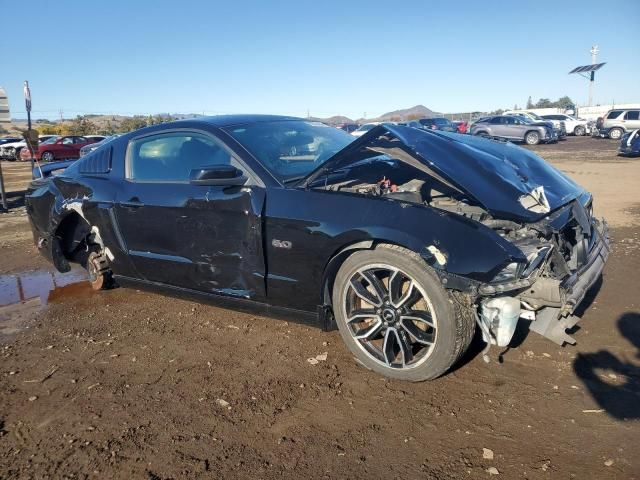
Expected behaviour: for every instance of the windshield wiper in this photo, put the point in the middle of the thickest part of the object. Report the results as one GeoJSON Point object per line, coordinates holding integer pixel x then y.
{"type": "Point", "coordinates": [293, 179]}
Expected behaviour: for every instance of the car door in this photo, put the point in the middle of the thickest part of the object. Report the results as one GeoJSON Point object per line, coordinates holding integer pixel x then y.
{"type": "Point", "coordinates": [631, 120]}
{"type": "Point", "coordinates": [513, 127]}
{"type": "Point", "coordinates": [206, 238]}
{"type": "Point", "coordinates": [497, 126]}
{"type": "Point", "coordinates": [64, 148]}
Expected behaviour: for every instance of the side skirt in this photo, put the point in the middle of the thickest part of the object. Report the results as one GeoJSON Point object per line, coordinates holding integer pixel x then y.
{"type": "Point", "coordinates": [231, 303]}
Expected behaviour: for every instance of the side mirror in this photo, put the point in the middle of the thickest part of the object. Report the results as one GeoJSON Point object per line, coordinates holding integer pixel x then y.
{"type": "Point", "coordinates": [217, 175]}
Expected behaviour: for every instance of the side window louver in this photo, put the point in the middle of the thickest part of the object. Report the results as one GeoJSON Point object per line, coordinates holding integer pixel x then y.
{"type": "Point", "coordinates": [98, 161]}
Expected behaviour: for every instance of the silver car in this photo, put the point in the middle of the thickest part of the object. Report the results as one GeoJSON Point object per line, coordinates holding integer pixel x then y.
{"type": "Point", "coordinates": [618, 122]}
{"type": "Point", "coordinates": [515, 128]}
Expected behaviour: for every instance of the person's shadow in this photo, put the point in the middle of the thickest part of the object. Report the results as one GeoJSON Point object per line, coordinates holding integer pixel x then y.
{"type": "Point", "coordinates": [620, 399]}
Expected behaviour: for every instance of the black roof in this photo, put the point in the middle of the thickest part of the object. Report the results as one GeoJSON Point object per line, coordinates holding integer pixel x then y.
{"type": "Point", "coordinates": [222, 121]}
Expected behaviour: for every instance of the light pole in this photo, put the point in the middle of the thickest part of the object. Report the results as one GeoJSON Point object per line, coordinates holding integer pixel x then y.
{"type": "Point", "coordinates": [594, 54]}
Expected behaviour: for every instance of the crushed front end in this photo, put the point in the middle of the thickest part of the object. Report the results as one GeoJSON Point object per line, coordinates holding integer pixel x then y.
{"type": "Point", "coordinates": [566, 253]}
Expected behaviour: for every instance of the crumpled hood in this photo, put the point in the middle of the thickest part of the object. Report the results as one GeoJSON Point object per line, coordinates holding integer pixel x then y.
{"type": "Point", "coordinates": [510, 182]}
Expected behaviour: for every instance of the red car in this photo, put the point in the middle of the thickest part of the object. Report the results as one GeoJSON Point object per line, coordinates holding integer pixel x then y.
{"type": "Point", "coordinates": [461, 126]}
{"type": "Point", "coordinates": [62, 148]}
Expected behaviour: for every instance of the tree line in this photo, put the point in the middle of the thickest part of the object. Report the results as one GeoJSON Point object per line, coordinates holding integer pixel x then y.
{"type": "Point", "coordinates": [84, 125]}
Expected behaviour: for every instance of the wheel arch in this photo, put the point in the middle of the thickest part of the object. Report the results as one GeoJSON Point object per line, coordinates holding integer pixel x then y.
{"type": "Point", "coordinates": [333, 264]}
{"type": "Point", "coordinates": [71, 232]}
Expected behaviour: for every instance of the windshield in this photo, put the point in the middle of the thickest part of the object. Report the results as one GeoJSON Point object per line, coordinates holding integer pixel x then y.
{"type": "Point", "coordinates": [50, 140]}
{"type": "Point", "coordinates": [291, 149]}
{"type": "Point", "coordinates": [536, 116]}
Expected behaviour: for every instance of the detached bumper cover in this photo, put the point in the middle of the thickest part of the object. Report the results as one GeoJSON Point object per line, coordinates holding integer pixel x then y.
{"type": "Point", "coordinates": [553, 322]}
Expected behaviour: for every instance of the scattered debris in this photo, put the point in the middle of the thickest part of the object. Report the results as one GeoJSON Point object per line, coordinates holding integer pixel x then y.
{"type": "Point", "coordinates": [599, 410]}
{"type": "Point", "coordinates": [487, 454]}
{"type": "Point", "coordinates": [43, 379]}
{"type": "Point", "coordinates": [318, 358]}
{"type": "Point", "coordinates": [608, 463]}
{"type": "Point", "coordinates": [223, 403]}
{"type": "Point", "coordinates": [493, 471]}
{"type": "Point", "coordinates": [33, 398]}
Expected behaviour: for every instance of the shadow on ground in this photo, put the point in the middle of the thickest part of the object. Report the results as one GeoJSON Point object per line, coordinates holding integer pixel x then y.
{"type": "Point", "coordinates": [14, 200]}
{"type": "Point", "coordinates": [619, 394]}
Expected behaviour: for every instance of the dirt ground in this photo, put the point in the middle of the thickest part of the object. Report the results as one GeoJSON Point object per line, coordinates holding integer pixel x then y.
{"type": "Point", "coordinates": [131, 384]}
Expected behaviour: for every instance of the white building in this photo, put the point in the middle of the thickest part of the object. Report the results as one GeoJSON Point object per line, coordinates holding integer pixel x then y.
{"type": "Point", "coordinates": [5, 115]}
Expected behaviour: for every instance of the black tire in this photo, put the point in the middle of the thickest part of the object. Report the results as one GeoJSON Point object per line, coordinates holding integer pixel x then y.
{"type": "Point", "coordinates": [451, 314]}
{"type": "Point", "coordinates": [532, 138]}
{"type": "Point", "coordinates": [47, 157]}
{"type": "Point", "coordinates": [616, 133]}
{"type": "Point", "coordinates": [482, 134]}
{"type": "Point", "coordinates": [579, 131]}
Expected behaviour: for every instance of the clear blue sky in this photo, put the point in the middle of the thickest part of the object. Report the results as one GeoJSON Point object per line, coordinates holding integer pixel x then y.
{"type": "Point", "coordinates": [331, 57]}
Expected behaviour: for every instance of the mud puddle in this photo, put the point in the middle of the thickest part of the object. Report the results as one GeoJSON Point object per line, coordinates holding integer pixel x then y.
{"type": "Point", "coordinates": [25, 294]}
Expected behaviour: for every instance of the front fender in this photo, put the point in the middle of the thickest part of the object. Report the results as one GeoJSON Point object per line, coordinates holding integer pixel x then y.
{"type": "Point", "coordinates": [317, 224]}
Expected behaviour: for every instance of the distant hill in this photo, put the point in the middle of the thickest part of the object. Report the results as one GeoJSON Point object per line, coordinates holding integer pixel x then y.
{"type": "Point", "coordinates": [419, 111]}
{"type": "Point", "coordinates": [335, 120]}
{"type": "Point", "coordinates": [106, 124]}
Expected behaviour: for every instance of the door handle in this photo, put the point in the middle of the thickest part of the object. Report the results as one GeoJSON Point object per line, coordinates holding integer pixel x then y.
{"type": "Point", "coordinates": [132, 203]}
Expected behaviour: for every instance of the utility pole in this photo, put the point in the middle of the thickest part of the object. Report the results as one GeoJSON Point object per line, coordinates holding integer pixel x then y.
{"type": "Point", "coordinates": [594, 54]}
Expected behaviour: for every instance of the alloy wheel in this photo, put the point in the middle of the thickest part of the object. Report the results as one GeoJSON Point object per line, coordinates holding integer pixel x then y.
{"type": "Point", "coordinates": [615, 133]}
{"type": "Point", "coordinates": [532, 138]}
{"type": "Point", "coordinates": [47, 157]}
{"type": "Point", "coordinates": [390, 317]}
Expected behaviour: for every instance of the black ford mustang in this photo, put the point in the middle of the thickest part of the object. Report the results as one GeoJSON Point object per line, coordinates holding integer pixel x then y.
{"type": "Point", "coordinates": [406, 239]}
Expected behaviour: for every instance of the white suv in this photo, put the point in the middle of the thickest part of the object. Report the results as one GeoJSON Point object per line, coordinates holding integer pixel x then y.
{"type": "Point", "coordinates": [576, 126]}
{"type": "Point", "coordinates": [618, 122]}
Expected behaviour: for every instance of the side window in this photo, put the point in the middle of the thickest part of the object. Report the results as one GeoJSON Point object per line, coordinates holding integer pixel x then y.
{"type": "Point", "coordinates": [632, 115]}
{"type": "Point", "coordinates": [495, 120]}
{"type": "Point", "coordinates": [67, 141]}
{"type": "Point", "coordinates": [80, 140]}
{"type": "Point", "coordinates": [614, 114]}
{"type": "Point", "coordinates": [170, 157]}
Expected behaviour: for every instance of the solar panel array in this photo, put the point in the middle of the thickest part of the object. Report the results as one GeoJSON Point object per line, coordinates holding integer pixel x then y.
{"type": "Point", "coordinates": [587, 68]}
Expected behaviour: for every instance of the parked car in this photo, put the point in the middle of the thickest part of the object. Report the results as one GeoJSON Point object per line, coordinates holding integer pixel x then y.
{"type": "Point", "coordinates": [364, 128]}
{"type": "Point", "coordinates": [559, 125]}
{"type": "Point", "coordinates": [62, 148]}
{"type": "Point", "coordinates": [514, 128]}
{"type": "Point", "coordinates": [438, 123]}
{"type": "Point", "coordinates": [348, 127]}
{"type": "Point", "coordinates": [575, 126]}
{"type": "Point", "coordinates": [11, 151]}
{"type": "Point", "coordinates": [95, 138]}
{"type": "Point", "coordinates": [5, 140]}
{"type": "Point", "coordinates": [461, 126]}
{"type": "Point", "coordinates": [617, 122]}
{"type": "Point", "coordinates": [92, 146]}
{"type": "Point", "coordinates": [405, 238]}
{"type": "Point", "coordinates": [630, 144]}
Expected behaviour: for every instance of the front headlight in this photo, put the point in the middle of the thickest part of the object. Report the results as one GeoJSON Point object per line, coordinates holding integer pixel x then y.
{"type": "Point", "coordinates": [509, 273]}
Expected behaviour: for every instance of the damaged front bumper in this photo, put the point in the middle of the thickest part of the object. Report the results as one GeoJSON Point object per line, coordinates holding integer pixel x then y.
{"type": "Point", "coordinates": [548, 303]}
{"type": "Point", "coordinates": [552, 322]}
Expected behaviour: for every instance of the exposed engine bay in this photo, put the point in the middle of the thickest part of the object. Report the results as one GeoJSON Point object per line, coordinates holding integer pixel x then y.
{"type": "Point", "coordinates": [559, 248]}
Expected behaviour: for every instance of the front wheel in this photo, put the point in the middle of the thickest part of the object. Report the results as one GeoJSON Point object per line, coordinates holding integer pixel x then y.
{"type": "Point", "coordinates": [579, 131]}
{"type": "Point", "coordinates": [396, 318]}
{"type": "Point", "coordinates": [48, 157]}
{"type": "Point", "coordinates": [532, 138]}
{"type": "Point", "coordinates": [615, 133]}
